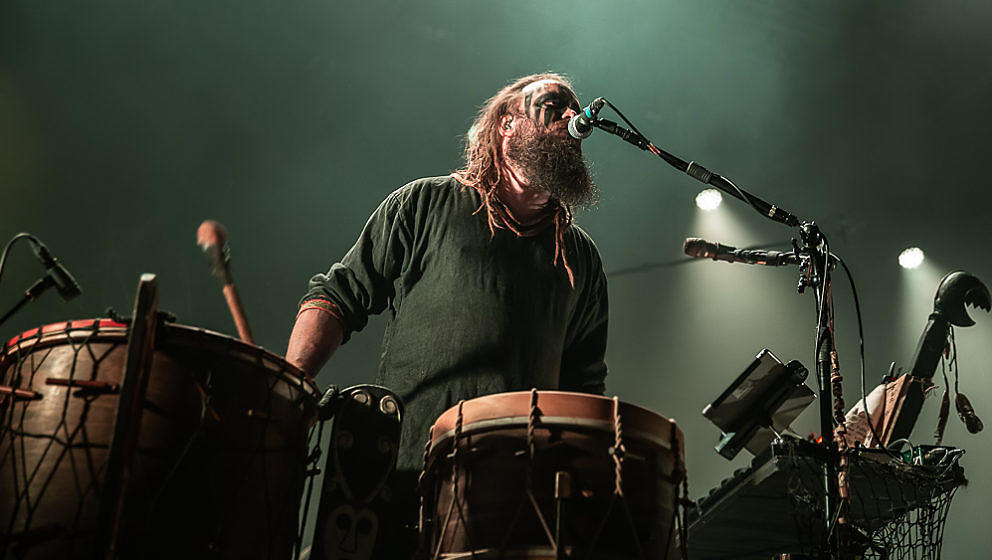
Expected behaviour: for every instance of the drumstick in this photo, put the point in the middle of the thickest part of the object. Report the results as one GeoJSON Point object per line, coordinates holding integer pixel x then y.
{"type": "Point", "coordinates": [211, 236]}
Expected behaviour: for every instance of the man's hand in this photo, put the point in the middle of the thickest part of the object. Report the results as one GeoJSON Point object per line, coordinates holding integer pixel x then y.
{"type": "Point", "coordinates": [315, 337]}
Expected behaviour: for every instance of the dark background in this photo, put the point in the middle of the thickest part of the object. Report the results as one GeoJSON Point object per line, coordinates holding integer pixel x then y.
{"type": "Point", "coordinates": [122, 126]}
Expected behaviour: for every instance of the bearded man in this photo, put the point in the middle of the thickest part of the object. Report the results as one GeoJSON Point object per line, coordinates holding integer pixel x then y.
{"type": "Point", "coordinates": [487, 283]}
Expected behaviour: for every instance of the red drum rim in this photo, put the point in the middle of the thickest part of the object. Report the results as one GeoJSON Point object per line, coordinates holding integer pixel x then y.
{"type": "Point", "coordinates": [558, 408]}
{"type": "Point", "coordinates": [31, 337]}
{"type": "Point", "coordinates": [172, 334]}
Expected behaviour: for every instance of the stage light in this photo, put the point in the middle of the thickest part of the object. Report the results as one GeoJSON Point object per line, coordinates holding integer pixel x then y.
{"type": "Point", "coordinates": [911, 258]}
{"type": "Point", "coordinates": [709, 199]}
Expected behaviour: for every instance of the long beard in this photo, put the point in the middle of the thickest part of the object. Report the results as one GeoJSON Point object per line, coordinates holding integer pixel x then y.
{"type": "Point", "coordinates": [554, 165]}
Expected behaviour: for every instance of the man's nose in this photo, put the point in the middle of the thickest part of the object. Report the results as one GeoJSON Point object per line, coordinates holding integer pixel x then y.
{"type": "Point", "coordinates": [569, 113]}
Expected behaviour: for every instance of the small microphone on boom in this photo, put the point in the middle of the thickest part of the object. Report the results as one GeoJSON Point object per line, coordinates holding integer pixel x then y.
{"type": "Point", "coordinates": [63, 280]}
{"type": "Point", "coordinates": [703, 249]}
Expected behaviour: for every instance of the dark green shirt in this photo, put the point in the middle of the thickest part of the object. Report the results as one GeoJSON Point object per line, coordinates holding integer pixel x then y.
{"type": "Point", "coordinates": [469, 313]}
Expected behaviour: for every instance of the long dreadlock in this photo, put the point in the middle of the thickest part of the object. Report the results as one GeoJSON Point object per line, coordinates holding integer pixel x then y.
{"type": "Point", "coordinates": [483, 172]}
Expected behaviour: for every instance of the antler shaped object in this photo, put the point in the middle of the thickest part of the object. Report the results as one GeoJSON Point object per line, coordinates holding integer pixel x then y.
{"type": "Point", "coordinates": [955, 291]}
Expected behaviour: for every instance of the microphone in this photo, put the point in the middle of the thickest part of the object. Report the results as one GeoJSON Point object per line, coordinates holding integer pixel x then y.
{"type": "Point", "coordinates": [580, 126]}
{"type": "Point", "coordinates": [702, 249]}
{"type": "Point", "coordinates": [66, 285]}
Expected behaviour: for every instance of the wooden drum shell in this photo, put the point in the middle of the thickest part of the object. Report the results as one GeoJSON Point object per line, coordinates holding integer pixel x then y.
{"type": "Point", "coordinates": [219, 466]}
{"type": "Point", "coordinates": [574, 434]}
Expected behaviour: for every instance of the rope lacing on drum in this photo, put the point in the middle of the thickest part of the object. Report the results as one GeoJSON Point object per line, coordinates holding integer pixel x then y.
{"type": "Point", "coordinates": [532, 419]}
{"type": "Point", "coordinates": [62, 437]}
{"type": "Point", "coordinates": [528, 498]}
{"type": "Point", "coordinates": [458, 429]}
{"type": "Point", "coordinates": [459, 419]}
{"type": "Point", "coordinates": [531, 423]}
{"type": "Point", "coordinates": [422, 490]}
{"type": "Point", "coordinates": [618, 452]}
{"type": "Point", "coordinates": [619, 449]}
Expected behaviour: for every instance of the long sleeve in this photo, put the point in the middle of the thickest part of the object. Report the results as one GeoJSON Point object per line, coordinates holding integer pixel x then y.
{"type": "Point", "coordinates": [583, 364]}
{"type": "Point", "coordinates": [363, 283]}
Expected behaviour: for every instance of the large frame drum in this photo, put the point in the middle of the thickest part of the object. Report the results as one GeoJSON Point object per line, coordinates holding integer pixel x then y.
{"type": "Point", "coordinates": [219, 465]}
{"type": "Point", "coordinates": [549, 474]}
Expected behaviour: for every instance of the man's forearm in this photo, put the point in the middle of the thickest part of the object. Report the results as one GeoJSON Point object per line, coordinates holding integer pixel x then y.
{"type": "Point", "coordinates": [315, 337]}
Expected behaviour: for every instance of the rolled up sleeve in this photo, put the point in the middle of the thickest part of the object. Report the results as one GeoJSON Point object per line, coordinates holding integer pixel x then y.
{"type": "Point", "coordinates": [362, 283]}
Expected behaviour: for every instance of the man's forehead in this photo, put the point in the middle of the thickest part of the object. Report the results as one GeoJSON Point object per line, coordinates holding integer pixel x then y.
{"type": "Point", "coordinates": [547, 86]}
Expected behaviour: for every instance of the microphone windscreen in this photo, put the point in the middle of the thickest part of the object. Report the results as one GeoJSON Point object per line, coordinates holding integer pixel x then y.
{"type": "Point", "coordinates": [578, 129]}
{"type": "Point", "coordinates": [699, 248]}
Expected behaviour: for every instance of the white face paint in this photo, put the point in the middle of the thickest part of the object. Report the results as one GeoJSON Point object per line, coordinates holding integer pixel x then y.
{"type": "Point", "coordinates": [548, 102]}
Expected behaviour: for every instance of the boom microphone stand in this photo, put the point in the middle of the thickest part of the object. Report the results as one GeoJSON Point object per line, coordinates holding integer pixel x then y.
{"type": "Point", "coordinates": [815, 265]}
{"type": "Point", "coordinates": [56, 276]}
{"type": "Point", "coordinates": [29, 295]}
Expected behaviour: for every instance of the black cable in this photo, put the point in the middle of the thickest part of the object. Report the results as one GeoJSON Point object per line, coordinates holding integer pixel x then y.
{"type": "Point", "coordinates": [743, 195]}
{"type": "Point", "coordinates": [630, 124]}
{"type": "Point", "coordinates": [819, 321]}
{"type": "Point", "coordinates": [861, 346]}
{"type": "Point", "coordinates": [6, 249]}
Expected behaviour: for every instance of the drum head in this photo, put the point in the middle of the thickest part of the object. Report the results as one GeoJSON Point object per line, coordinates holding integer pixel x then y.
{"type": "Point", "coordinates": [581, 410]}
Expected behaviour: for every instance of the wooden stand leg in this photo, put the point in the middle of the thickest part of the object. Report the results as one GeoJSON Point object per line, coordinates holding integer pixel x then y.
{"type": "Point", "coordinates": [127, 424]}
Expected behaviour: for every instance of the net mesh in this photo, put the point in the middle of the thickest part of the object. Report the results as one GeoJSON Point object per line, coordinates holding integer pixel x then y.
{"type": "Point", "coordinates": [897, 510]}
{"type": "Point", "coordinates": [912, 527]}
{"type": "Point", "coordinates": [30, 470]}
